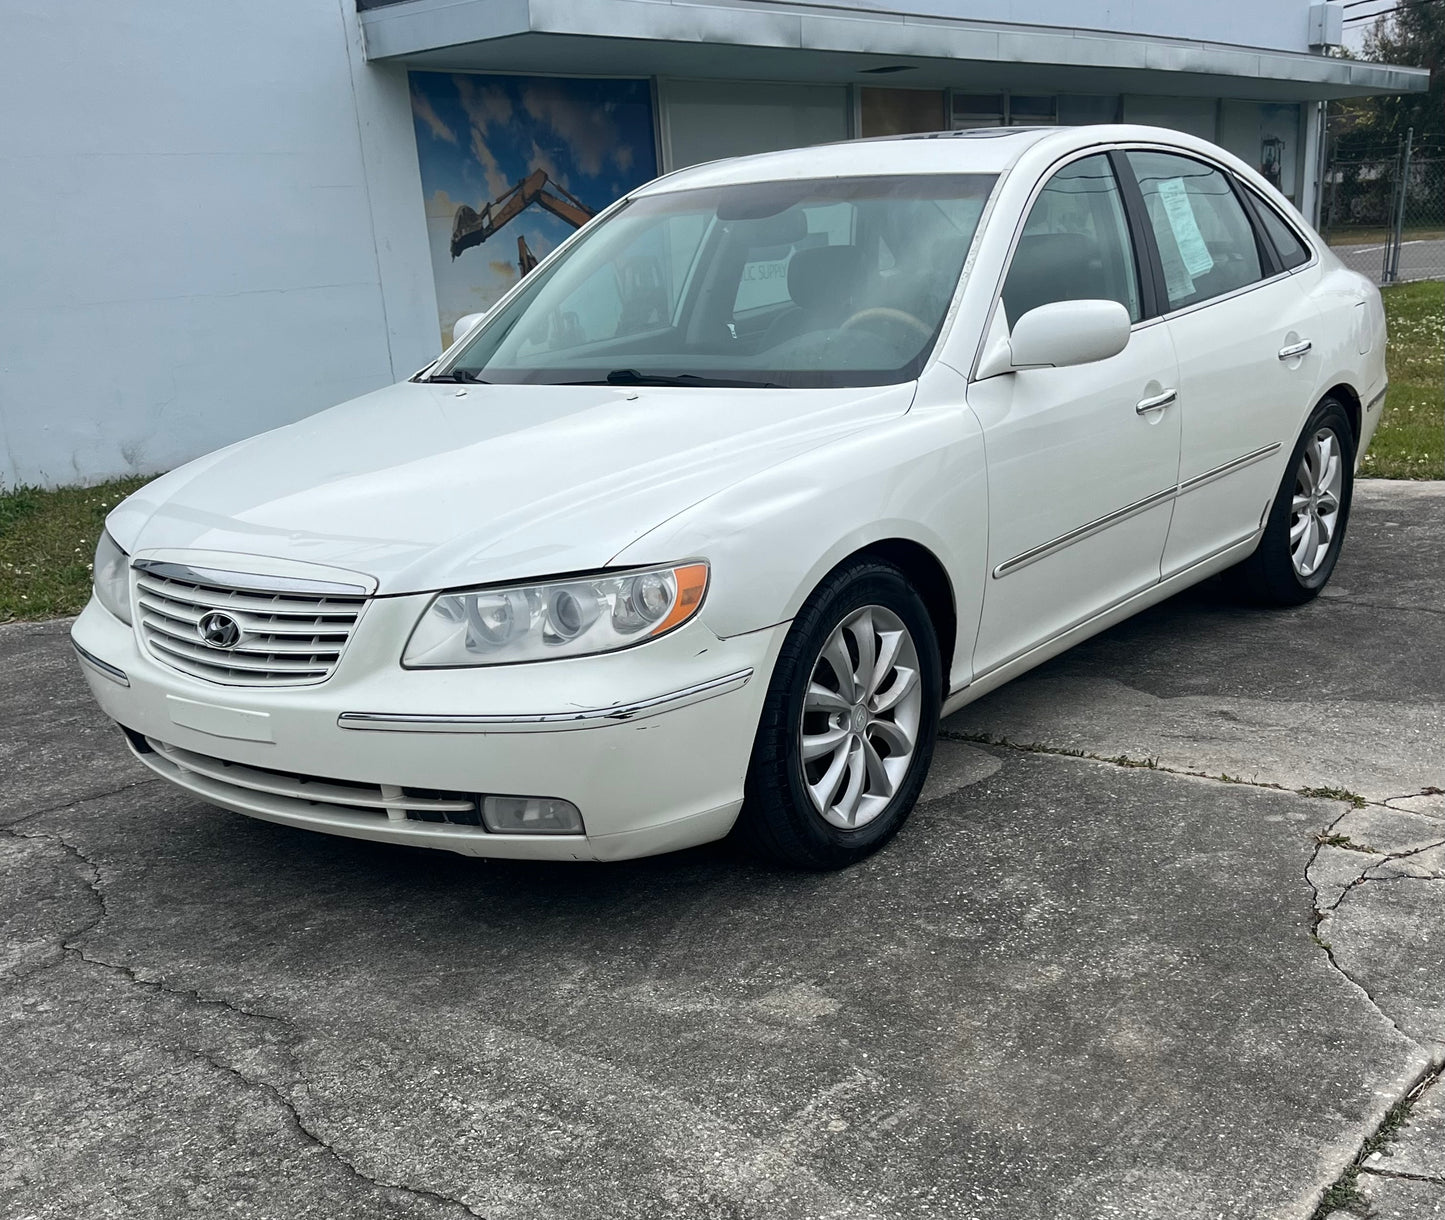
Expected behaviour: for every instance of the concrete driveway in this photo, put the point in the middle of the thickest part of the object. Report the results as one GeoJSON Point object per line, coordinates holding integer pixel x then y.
{"type": "Point", "coordinates": [1085, 982]}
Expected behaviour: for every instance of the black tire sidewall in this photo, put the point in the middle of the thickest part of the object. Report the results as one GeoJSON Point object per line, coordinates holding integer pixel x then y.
{"type": "Point", "coordinates": [775, 790]}
{"type": "Point", "coordinates": [1275, 546]}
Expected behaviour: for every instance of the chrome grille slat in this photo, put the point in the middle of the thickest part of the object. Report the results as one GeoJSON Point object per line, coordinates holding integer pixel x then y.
{"type": "Point", "coordinates": [288, 638]}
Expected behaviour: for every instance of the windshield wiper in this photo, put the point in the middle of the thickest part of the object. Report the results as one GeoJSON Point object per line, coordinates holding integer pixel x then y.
{"type": "Point", "coordinates": [633, 377]}
{"type": "Point", "coordinates": [456, 375]}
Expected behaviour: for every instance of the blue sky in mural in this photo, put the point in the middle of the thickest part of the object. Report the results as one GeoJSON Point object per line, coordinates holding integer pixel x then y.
{"type": "Point", "coordinates": [478, 136]}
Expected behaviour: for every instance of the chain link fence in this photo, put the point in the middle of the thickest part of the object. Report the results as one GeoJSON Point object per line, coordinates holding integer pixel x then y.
{"type": "Point", "coordinates": [1385, 216]}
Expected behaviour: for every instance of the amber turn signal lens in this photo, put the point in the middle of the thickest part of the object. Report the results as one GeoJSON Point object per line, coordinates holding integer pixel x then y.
{"type": "Point", "coordinates": [691, 585]}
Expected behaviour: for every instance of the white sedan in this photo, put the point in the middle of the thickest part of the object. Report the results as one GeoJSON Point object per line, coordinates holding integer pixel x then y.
{"type": "Point", "coordinates": [704, 526]}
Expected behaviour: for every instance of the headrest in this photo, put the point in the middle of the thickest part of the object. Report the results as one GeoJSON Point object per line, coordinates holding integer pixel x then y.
{"type": "Point", "coordinates": [1050, 267]}
{"type": "Point", "coordinates": [824, 277]}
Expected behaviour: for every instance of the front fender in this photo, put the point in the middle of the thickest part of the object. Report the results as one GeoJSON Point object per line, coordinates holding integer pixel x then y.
{"type": "Point", "coordinates": [773, 537]}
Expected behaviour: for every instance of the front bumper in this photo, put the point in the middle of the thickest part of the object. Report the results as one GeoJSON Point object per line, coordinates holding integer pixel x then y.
{"type": "Point", "coordinates": [651, 744]}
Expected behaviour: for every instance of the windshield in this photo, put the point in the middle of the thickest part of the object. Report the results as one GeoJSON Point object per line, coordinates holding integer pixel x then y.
{"type": "Point", "coordinates": [839, 282]}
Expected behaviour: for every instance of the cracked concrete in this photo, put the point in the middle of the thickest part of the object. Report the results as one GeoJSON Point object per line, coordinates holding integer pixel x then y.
{"type": "Point", "coordinates": [1070, 988]}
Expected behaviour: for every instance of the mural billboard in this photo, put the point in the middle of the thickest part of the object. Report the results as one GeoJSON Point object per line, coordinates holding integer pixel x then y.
{"type": "Point", "coordinates": [512, 165]}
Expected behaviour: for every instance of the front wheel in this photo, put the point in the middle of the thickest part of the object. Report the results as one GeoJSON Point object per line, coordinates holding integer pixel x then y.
{"type": "Point", "coordinates": [848, 726]}
{"type": "Point", "coordinates": [1306, 527]}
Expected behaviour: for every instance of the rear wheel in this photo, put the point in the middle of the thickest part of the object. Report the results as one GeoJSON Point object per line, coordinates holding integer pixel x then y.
{"type": "Point", "coordinates": [1306, 527]}
{"type": "Point", "coordinates": [848, 726]}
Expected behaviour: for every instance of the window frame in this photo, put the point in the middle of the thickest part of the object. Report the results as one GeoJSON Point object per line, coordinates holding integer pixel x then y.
{"type": "Point", "coordinates": [1143, 279]}
{"type": "Point", "coordinates": [1254, 201]}
{"type": "Point", "coordinates": [1271, 266]}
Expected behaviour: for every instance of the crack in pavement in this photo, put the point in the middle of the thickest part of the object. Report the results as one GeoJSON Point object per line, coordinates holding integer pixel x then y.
{"type": "Point", "coordinates": [298, 1124]}
{"type": "Point", "coordinates": [1153, 764]}
{"type": "Point", "coordinates": [1393, 1114]}
{"type": "Point", "coordinates": [192, 995]}
{"type": "Point", "coordinates": [97, 796]}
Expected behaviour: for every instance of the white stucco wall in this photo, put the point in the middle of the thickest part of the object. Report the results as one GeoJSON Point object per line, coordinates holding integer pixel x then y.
{"type": "Point", "coordinates": [210, 224]}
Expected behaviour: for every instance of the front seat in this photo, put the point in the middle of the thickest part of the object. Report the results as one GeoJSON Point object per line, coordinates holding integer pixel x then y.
{"type": "Point", "coordinates": [824, 284]}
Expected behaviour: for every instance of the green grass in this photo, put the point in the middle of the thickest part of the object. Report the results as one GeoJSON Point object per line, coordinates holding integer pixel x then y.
{"type": "Point", "coordinates": [47, 542]}
{"type": "Point", "coordinates": [1410, 440]}
{"type": "Point", "coordinates": [1376, 236]}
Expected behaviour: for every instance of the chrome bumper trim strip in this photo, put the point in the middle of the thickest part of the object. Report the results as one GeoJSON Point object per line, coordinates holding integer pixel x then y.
{"type": "Point", "coordinates": [104, 668]}
{"type": "Point", "coordinates": [588, 718]}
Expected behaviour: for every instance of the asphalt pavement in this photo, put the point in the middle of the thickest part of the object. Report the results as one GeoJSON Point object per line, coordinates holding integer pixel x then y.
{"type": "Point", "coordinates": [1162, 940]}
{"type": "Point", "coordinates": [1420, 259]}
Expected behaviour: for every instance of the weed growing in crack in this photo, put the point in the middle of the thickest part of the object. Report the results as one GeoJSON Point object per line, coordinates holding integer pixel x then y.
{"type": "Point", "coordinates": [1334, 794]}
{"type": "Point", "coordinates": [1344, 1193]}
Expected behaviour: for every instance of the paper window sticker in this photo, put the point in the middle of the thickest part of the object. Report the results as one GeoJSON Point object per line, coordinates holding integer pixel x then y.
{"type": "Point", "coordinates": [1192, 248]}
{"type": "Point", "coordinates": [1177, 280]}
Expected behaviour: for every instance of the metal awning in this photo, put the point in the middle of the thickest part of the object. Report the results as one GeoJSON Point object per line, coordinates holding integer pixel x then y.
{"type": "Point", "coordinates": [726, 39]}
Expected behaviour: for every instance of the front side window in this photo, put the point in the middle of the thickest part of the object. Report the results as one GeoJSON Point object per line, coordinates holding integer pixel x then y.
{"type": "Point", "coordinates": [1074, 245]}
{"type": "Point", "coordinates": [1206, 243]}
{"type": "Point", "coordinates": [797, 283]}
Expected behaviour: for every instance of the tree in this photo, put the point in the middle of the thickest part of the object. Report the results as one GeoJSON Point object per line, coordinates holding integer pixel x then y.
{"type": "Point", "coordinates": [1413, 35]}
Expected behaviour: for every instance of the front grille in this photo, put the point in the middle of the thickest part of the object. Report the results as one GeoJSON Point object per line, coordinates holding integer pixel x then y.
{"type": "Point", "coordinates": [263, 789]}
{"type": "Point", "coordinates": [287, 638]}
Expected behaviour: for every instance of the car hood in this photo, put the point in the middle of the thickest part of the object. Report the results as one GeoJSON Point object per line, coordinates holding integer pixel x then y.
{"type": "Point", "coordinates": [426, 486]}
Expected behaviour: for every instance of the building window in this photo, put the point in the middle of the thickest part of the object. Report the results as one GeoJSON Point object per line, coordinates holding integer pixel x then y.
{"type": "Point", "coordinates": [896, 112]}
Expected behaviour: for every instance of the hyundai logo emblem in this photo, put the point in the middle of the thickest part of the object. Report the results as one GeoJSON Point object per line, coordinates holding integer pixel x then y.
{"type": "Point", "coordinates": [219, 629]}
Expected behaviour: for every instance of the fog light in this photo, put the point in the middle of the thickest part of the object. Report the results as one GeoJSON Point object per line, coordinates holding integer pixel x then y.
{"type": "Point", "coordinates": [530, 815]}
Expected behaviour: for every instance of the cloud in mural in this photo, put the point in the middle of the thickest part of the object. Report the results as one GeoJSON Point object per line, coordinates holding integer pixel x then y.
{"type": "Point", "coordinates": [587, 130]}
{"type": "Point", "coordinates": [478, 136]}
{"type": "Point", "coordinates": [421, 107]}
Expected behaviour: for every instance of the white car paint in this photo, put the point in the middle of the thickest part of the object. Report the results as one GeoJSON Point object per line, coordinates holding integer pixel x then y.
{"type": "Point", "coordinates": [426, 486]}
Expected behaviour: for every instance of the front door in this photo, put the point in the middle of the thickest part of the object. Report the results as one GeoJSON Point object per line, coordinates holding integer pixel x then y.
{"type": "Point", "coordinates": [1082, 461]}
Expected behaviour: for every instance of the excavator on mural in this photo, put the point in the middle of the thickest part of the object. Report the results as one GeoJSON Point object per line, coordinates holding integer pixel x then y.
{"type": "Point", "coordinates": [471, 228]}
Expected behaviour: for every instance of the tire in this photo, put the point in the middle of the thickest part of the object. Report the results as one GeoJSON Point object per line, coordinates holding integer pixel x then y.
{"type": "Point", "coordinates": [1285, 570]}
{"type": "Point", "coordinates": [861, 733]}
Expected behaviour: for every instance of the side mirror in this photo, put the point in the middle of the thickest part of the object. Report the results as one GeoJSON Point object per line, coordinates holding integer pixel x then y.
{"type": "Point", "coordinates": [1065, 333]}
{"type": "Point", "coordinates": [465, 324]}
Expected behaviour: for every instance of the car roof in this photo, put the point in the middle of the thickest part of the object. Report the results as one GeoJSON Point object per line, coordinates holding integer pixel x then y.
{"type": "Point", "coordinates": [984, 150]}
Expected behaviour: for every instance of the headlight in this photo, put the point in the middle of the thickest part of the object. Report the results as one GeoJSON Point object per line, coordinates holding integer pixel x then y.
{"type": "Point", "coordinates": [112, 577]}
{"type": "Point", "coordinates": [558, 618]}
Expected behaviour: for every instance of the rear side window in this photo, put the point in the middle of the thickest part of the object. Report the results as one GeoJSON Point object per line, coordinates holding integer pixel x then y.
{"type": "Point", "coordinates": [1206, 243]}
{"type": "Point", "coordinates": [1292, 252]}
{"type": "Point", "coordinates": [1074, 245]}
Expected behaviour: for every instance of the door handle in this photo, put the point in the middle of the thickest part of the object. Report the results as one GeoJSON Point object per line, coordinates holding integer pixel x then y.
{"type": "Point", "coordinates": [1157, 403]}
{"type": "Point", "coordinates": [1291, 350]}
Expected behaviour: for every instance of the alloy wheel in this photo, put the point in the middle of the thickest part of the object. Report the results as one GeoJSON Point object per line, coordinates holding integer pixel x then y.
{"type": "Point", "coordinates": [861, 715]}
{"type": "Point", "coordinates": [1315, 509]}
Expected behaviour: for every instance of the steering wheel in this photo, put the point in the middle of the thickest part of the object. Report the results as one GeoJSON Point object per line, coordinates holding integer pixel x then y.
{"type": "Point", "coordinates": [885, 313]}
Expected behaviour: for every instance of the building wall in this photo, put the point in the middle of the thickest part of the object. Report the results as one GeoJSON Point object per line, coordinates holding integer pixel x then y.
{"type": "Point", "coordinates": [212, 225]}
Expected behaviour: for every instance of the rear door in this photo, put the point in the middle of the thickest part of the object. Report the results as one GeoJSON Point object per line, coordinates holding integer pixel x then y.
{"type": "Point", "coordinates": [1241, 327]}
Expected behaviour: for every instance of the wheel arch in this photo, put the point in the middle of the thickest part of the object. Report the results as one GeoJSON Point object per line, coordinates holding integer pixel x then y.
{"type": "Point", "coordinates": [926, 573]}
{"type": "Point", "coordinates": [1350, 400]}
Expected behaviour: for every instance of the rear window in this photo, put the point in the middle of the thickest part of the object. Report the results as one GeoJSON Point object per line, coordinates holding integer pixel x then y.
{"type": "Point", "coordinates": [1286, 242]}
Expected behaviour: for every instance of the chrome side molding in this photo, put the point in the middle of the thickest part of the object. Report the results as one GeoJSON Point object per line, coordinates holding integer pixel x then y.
{"type": "Point", "coordinates": [588, 718]}
{"type": "Point", "coordinates": [1034, 554]}
{"type": "Point", "coordinates": [1132, 510]}
{"type": "Point", "coordinates": [1239, 463]}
